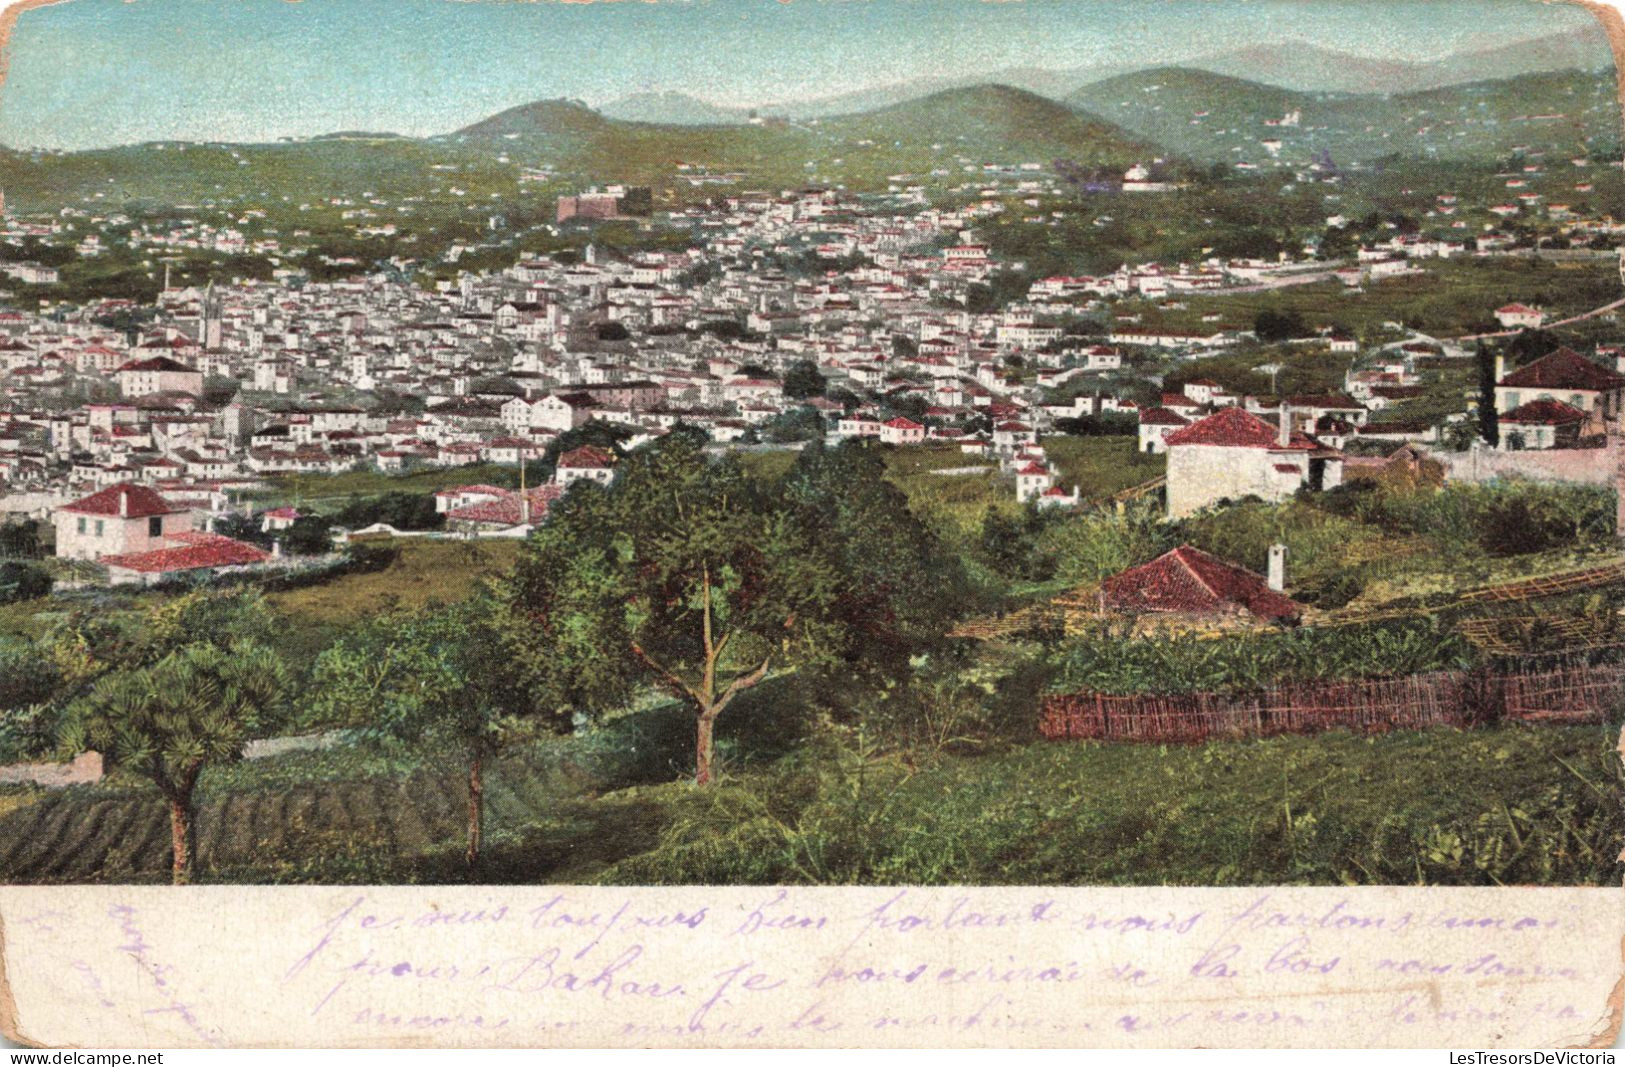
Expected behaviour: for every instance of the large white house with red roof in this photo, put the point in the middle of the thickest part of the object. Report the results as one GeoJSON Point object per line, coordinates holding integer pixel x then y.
{"type": "Point", "coordinates": [1566, 376]}
{"type": "Point", "coordinates": [141, 537]}
{"type": "Point", "coordinates": [1233, 454]}
{"type": "Point", "coordinates": [123, 518]}
{"type": "Point", "coordinates": [587, 462]}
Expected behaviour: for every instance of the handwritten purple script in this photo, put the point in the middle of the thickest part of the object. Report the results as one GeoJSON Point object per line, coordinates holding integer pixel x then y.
{"type": "Point", "coordinates": [768, 966]}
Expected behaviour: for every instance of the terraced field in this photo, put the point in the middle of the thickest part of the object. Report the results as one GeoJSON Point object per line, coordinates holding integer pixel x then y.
{"type": "Point", "coordinates": [400, 829]}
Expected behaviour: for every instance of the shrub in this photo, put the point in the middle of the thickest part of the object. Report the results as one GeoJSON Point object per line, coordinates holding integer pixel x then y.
{"type": "Point", "coordinates": [23, 581]}
{"type": "Point", "coordinates": [1104, 661]}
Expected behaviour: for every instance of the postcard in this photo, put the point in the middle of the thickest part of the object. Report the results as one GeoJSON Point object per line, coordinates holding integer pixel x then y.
{"type": "Point", "coordinates": [726, 523]}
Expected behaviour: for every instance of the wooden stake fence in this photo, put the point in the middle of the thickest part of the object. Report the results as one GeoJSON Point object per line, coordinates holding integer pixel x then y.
{"type": "Point", "coordinates": [1575, 693]}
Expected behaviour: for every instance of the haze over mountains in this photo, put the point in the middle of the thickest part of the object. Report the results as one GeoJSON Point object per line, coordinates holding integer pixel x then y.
{"type": "Point", "coordinates": [1296, 65]}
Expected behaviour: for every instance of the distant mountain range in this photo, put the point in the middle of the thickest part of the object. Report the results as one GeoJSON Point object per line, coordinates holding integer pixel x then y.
{"type": "Point", "coordinates": [1187, 114]}
{"type": "Point", "coordinates": [1208, 116]}
{"type": "Point", "coordinates": [952, 128]}
{"type": "Point", "coordinates": [1297, 65]}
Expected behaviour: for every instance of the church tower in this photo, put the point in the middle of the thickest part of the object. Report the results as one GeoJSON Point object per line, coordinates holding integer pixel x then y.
{"type": "Point", "coordinates": [213, 313]}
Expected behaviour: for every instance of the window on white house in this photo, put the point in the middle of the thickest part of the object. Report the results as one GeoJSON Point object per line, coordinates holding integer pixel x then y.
{"type": "Point", "coordinates": [99, 527]}
{"type": "Point", "coordinates": [81, 525]}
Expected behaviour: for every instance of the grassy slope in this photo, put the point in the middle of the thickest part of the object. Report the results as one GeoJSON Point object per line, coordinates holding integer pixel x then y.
{"type": "Point", "coordinates": [1508, 805]}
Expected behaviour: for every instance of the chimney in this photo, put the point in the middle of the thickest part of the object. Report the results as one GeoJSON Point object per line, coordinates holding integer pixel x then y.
{"type": "Point", "coordinates": [1500, 367]}
{"type": "Point", "coordinates": [276, 548]}
{"type": "Point", "coordinates": [524, 509]}
{"type": "Point", "coordinates": [124, 503]}
{"type": "Point", "coordinates": [1284, 438]}
{"type": "Point", "coordinates": [1277, 578]}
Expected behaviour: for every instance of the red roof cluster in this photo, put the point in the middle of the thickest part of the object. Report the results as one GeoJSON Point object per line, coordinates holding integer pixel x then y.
{"type": "Point", "coordinates": [125, 500]}
{"type": "Point", "coordinates": [1191, 581]}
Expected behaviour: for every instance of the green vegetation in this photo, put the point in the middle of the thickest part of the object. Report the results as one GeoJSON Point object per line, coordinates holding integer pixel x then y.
{"type": "Point", "coordinates": [1507, 805]}
{"type": "Point", "coordinates": [544, 710]}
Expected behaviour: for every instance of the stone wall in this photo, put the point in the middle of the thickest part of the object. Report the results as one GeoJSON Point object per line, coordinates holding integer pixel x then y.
{"type": "Point", "coordinates": [1581, 466]}
{"type": "Point", "coordinates": [86, 768]}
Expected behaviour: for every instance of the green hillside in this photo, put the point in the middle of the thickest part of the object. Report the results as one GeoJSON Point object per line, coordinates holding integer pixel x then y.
{"type": "Point", "coordinates": [1218, 118]}
{"type": "Point", "coordinates": [947, 131]}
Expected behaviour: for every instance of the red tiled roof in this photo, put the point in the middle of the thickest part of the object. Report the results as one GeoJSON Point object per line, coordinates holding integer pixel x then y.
{"type": "Point", "coordinates": [587, 457]}
{"type": "Point", "coordinates": [461, 489]}
{"type": "Point", "coordinates": [507, 512]}
{"type": "Point", "coordinates": [197, 551]}
{"type": "Point", "coordinates": [901, 423]}
{"type": "Point", "coordinates": [139, 502]}
{"type": "Point", "coordinates": [1544, 413]}
{"type": "Point", "coordinates": [1162, 417]}
{"type": "Point", "coordinates": [156, 363]}
{"type": "Point", "coordinates": [1236, 428]}
{"type": "Point", "coordinates": [1563, 369]}
{"type": "Point", "coordinates": [1190, 580]}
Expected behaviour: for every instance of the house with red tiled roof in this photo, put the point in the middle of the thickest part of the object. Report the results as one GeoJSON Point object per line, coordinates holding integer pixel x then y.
{"type": "Point", "coordinates": [123, 518]}
{"type": "Point", "coordinates": [1541, 424]}
{"type": "Point", "coordinates": [1519, 316]}
{"type": "Point", "coordinates": [1233, 454]}
{"type": "Point", "coordinates": [279, 519]}
{"type": "Point", "coordinates": [1567, 376]}
{"type": "Point", "coordinates": [901, 431]}
{"type": "Point", "coordinates": [1190, 582]}
{"type": "Point", "coordinates": [1033, 479]}
{"type": "Point", "coordinates": [511, 514]}
{"type": "Point", "coordinates": [1155, 426]}
{"type": "Point", "coordinates": [589, 462]}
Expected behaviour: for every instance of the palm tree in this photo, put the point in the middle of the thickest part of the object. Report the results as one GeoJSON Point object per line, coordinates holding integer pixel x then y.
{"type": "Point", "coordinates": [198, 705]}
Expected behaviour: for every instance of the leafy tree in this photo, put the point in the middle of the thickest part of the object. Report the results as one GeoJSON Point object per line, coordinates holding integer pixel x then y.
{"type": "Point", "coordinates": [900, 589]}
{"type": "Point", "coordinates": [308, 535]}
{"type": "Point", "coordinates": [440, 673]}
{"type": "Point", "coordinates": [198, 705]}
{"type": "Point", "coordinates": [23, 581]}
{"type": "Point", "coordinates": [797, 424]}
{"type": "Point", "coordinates": [683, 573]}
{"type": "Point", "coordinates": [243, 528]}
{"type": "Point", "coordinates": [802, 379]}
{"type": "Point", "coordinates": [1530, 345]}
{"type": "Point", "coordinates": [1489, 426]}
{"type": "Point", "coordinates": [1270, 325]}
{"type": "Point", "coordinates": [404, 511]}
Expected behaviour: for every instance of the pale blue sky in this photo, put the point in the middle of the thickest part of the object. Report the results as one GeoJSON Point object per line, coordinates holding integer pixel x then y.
{"type": "Point", "coordinates": [98, 72]}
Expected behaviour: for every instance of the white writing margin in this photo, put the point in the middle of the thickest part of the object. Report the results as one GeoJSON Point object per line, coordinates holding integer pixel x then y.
{"type": "Point", "coordinates": [132, 967]}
